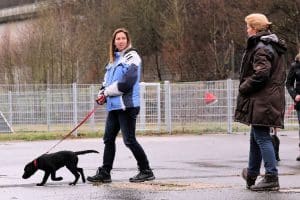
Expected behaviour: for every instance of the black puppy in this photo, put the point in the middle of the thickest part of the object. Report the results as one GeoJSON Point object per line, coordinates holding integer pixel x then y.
{"type": "Point", "coordinates": [50, 163]}
{"type": "Point", "coordinates": [276, 143]}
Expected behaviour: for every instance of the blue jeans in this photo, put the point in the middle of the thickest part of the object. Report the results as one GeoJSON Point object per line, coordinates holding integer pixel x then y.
{"type": "Point", "coordinates": [126, 121]}
{"type": "Point", "coordinates": [261, 148]}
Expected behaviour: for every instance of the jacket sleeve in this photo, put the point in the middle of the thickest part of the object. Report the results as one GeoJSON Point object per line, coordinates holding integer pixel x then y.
{"type": "Point", "coordinates": [262, 63]}
{"type": "Point", "coordinates": [290, 82]}
{"type": "Point", "coordinates": [132, 61]}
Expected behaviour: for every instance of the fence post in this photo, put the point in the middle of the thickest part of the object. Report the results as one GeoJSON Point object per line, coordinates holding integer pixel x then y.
{"type": "Point", "coordinates": [142, 106]}
{"type": "Point", "coordinates": [92, 119]}
{"type": "Point", "coordinates": [48, 98]}
{"type": "Point", "coordinates": [10, 107]}
{"type": "Point", "coordinates": [158, 107]}
{"type": "Point", "coordinates": [168, 116]}
{"type": "Point", "coordinates": [229, 105]}
{"type": "Point", "coordinates": [74, 87]}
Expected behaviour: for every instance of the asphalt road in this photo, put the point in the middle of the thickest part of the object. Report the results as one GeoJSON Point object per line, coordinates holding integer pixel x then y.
{"type": "Point", "coordinates": [186, 167]}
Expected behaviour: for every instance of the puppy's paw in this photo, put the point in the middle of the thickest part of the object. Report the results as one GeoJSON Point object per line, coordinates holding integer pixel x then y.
{"type": "Point", "coordinates": [40, 184]}
{"type": "Point", "coordinates": [72, 183]}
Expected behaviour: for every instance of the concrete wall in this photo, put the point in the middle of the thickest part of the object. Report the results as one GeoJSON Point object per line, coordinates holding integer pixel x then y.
{"type": "Point", "coordinates": [15, 18]}
{"type": "Point", "coordinates": [14, 3]}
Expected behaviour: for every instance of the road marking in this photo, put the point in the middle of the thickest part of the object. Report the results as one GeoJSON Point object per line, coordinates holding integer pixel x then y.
{"type": "Point", "coordinates": [290, 190]}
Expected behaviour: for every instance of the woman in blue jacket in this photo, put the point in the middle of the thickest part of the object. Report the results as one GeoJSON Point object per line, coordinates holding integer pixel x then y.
{"type": "Point", "coordinates": [120, 92]}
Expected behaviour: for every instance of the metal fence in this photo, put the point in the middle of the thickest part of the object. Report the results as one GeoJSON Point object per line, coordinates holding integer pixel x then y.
{"type": "Point", "coordinates": [165, 107]}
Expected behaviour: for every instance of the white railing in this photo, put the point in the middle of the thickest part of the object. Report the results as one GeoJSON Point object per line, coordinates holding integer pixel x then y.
{"type": "Point", "coordinates": [166, 107]}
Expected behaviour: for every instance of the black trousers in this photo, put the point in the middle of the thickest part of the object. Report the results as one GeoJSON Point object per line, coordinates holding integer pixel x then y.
{"type": "Point", "coordinates": [126, 122]}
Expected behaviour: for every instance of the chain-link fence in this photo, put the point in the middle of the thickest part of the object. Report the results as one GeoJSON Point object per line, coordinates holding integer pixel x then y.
{"type": "Point", "coordinates": [206, 106]}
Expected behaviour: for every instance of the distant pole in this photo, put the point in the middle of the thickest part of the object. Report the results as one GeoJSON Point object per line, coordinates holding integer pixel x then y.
{"type": "Point", "coordinates": [142, 106]}
{"type": "Point", "coordinates": [232, 59]}
{"type": "Point", "coordinates": [229, 105]}
{"type": "Point", "coordinates": [61, 40]}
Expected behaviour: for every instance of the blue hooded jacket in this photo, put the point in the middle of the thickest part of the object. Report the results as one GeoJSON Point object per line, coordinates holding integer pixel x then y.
{"type": "Point", "coordinates": [121, 81]}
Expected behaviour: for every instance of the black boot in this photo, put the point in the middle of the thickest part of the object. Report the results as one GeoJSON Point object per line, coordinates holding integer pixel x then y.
{"type": "Point", "coordinates": [102, 176]}
{"type": "Point", "coordinates": [143, 175]}
{"type": "Point", "coordinates": [250, 180]}
{"type": "Point", "coordinates": [268, 183]}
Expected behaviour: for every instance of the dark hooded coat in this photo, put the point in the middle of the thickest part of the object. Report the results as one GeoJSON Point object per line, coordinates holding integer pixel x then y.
{"type": "Point", "coordinates": [261, 95]}
{"type": "Point", "coordinates": [293, 82]}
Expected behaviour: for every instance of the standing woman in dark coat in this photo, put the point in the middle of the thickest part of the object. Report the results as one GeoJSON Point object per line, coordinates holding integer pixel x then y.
{"type": "Point", "coordinates": [261, 99]}
{"type": "Point", "coordinates": [293, 86]}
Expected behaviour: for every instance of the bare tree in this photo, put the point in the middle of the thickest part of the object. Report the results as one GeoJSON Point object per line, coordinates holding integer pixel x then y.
{"type": "Point", "coordinates": [179, 40]}
{"type": "Point", "coordinates": [144, 22]}
{"type": "Point", "coordinates": [286, 15]}
{"type": "Point", "coordinates": [6, 58]}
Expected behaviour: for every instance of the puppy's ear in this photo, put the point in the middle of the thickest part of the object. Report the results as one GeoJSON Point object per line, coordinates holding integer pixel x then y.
{"type": "Point", "coordinates": [28, 167]}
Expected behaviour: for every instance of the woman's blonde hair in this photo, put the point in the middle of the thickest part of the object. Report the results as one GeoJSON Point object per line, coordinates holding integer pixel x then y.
{"type": "Point", "coordinates": [297, 58]}
{"type": "Point", "coordinates": [112, 46]}
{"type": "Point", "coordinates": [258, 21]}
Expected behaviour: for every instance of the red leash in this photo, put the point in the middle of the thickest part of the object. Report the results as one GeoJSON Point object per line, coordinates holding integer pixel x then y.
{"type": "Point", "coordinates": [76, 127]}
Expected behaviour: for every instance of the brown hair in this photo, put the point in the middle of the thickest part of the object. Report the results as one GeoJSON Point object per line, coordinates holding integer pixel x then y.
{"type": "Point", "coordinates": [112, 47]}
{"type": "Point", "coordinates": [258, 21]}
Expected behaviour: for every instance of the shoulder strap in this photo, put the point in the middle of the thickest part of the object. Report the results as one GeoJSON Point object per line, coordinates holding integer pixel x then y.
{"type": "Point", "coordinates": [130, 49]}
{"type": "Point", "coordinates": [131, 56]}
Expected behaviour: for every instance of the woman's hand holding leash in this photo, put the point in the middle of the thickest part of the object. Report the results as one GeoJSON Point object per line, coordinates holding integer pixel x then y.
{"type": "Point", "coordinates": [101, 99]}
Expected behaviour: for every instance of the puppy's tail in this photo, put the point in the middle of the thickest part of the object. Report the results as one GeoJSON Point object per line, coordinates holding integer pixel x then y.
{"type": "Point", "coordinates": [86, 151]}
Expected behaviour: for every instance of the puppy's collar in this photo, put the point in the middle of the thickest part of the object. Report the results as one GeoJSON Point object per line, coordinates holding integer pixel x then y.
{"type": "Point", "coordinates": [35, 163]}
